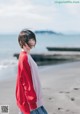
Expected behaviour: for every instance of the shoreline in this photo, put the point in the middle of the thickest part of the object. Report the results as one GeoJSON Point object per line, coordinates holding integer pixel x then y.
{"type": "Point", "coordinates": [11, 74]}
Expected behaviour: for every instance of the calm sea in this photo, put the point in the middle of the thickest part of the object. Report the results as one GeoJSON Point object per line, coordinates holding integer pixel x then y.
{"type": "Point", "coordinates": [9, 46]}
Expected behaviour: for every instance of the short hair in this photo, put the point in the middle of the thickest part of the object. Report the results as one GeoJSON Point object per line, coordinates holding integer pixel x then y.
{"type": "Point", "coordinates": [24, 36]}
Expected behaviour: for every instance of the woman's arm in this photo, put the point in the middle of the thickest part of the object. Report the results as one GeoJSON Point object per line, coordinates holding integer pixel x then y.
{"type": "Point", "coordinates": [26, 82]}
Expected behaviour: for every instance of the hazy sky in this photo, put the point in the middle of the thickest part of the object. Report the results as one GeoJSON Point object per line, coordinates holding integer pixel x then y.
{"type": "Point", "coordinates": [39, 14]}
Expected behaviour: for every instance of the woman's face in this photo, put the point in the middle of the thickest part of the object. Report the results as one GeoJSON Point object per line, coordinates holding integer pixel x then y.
{"type": "Point", "coordinates": [31, 43]}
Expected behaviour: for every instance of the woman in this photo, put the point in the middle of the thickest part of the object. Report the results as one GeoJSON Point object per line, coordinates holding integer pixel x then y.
{"type": "Point", "coordinates": [28, 87]}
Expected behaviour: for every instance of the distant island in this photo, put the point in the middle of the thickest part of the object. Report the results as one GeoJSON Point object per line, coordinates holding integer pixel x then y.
{"type": "Point", "coordinates": [47, 31]}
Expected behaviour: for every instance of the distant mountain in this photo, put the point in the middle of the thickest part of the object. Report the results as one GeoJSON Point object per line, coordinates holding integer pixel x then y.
{"type": "Point", "coordinates": [47, 31]}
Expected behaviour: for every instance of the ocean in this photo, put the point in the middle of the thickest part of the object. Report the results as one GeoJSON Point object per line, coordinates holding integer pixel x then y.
{"type": "Point", "coordinates": [9, 45]}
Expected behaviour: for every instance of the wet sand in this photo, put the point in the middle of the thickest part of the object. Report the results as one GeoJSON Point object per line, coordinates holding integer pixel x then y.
{"type": "Point", "coordinates": [60, 85]}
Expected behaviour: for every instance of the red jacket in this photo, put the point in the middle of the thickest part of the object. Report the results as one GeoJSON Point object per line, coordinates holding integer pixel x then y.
{"type": "Point", "coordinates": [25, 94]}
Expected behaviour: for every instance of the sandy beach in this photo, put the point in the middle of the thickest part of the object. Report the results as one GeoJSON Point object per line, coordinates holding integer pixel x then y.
{"type": "Point", "coordinates": [61, 89]}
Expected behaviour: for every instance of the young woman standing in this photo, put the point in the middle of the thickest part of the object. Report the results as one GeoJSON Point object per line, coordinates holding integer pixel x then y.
{"type": "Point", "coordinates": [28, 87]}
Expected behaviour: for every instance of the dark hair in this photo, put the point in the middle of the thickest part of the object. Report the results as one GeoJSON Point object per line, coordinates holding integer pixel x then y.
{"type": "Point", "coordinates": [24, 36]}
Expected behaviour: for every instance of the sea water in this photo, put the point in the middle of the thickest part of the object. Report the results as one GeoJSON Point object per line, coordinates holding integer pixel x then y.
{"type": "Point", "coordinates": [9, 45]}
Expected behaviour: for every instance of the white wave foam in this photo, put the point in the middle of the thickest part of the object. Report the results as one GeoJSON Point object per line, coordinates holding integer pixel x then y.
{"type": "Point", "coordinates": [7, 63]}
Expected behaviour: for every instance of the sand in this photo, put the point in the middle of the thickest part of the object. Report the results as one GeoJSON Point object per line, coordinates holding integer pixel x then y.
{"type": "Point", "coordinates": [60, 85]}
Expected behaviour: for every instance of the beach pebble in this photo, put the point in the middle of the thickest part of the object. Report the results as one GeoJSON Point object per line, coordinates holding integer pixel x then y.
{"type": "Point", "coordinates": [50, 98]}
{"type": "Point", "coordinates": [59, 108]}
{"type": "Point", "coordinates": [67, 92]}
{"type": "Point", "coordinates": [72, 99]}
{"type": "Point", "coordinates": [61, 91]}
{"type": "Point", "coordinates": [67, 110]}
{"type": "Point", "coordinates": [76, 88]}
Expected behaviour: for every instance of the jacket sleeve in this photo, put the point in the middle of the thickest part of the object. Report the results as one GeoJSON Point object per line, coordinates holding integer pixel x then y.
{"type": "Point", "coordinates": [26, 82]}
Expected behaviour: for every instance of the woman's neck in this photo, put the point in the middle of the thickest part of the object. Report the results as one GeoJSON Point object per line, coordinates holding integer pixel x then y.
{"type": "Point", "coordinates": [23, 49]}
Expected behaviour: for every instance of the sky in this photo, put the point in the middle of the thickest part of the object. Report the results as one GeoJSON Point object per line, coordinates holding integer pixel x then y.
{"type": "Point", "coordinates": [16, 15]}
